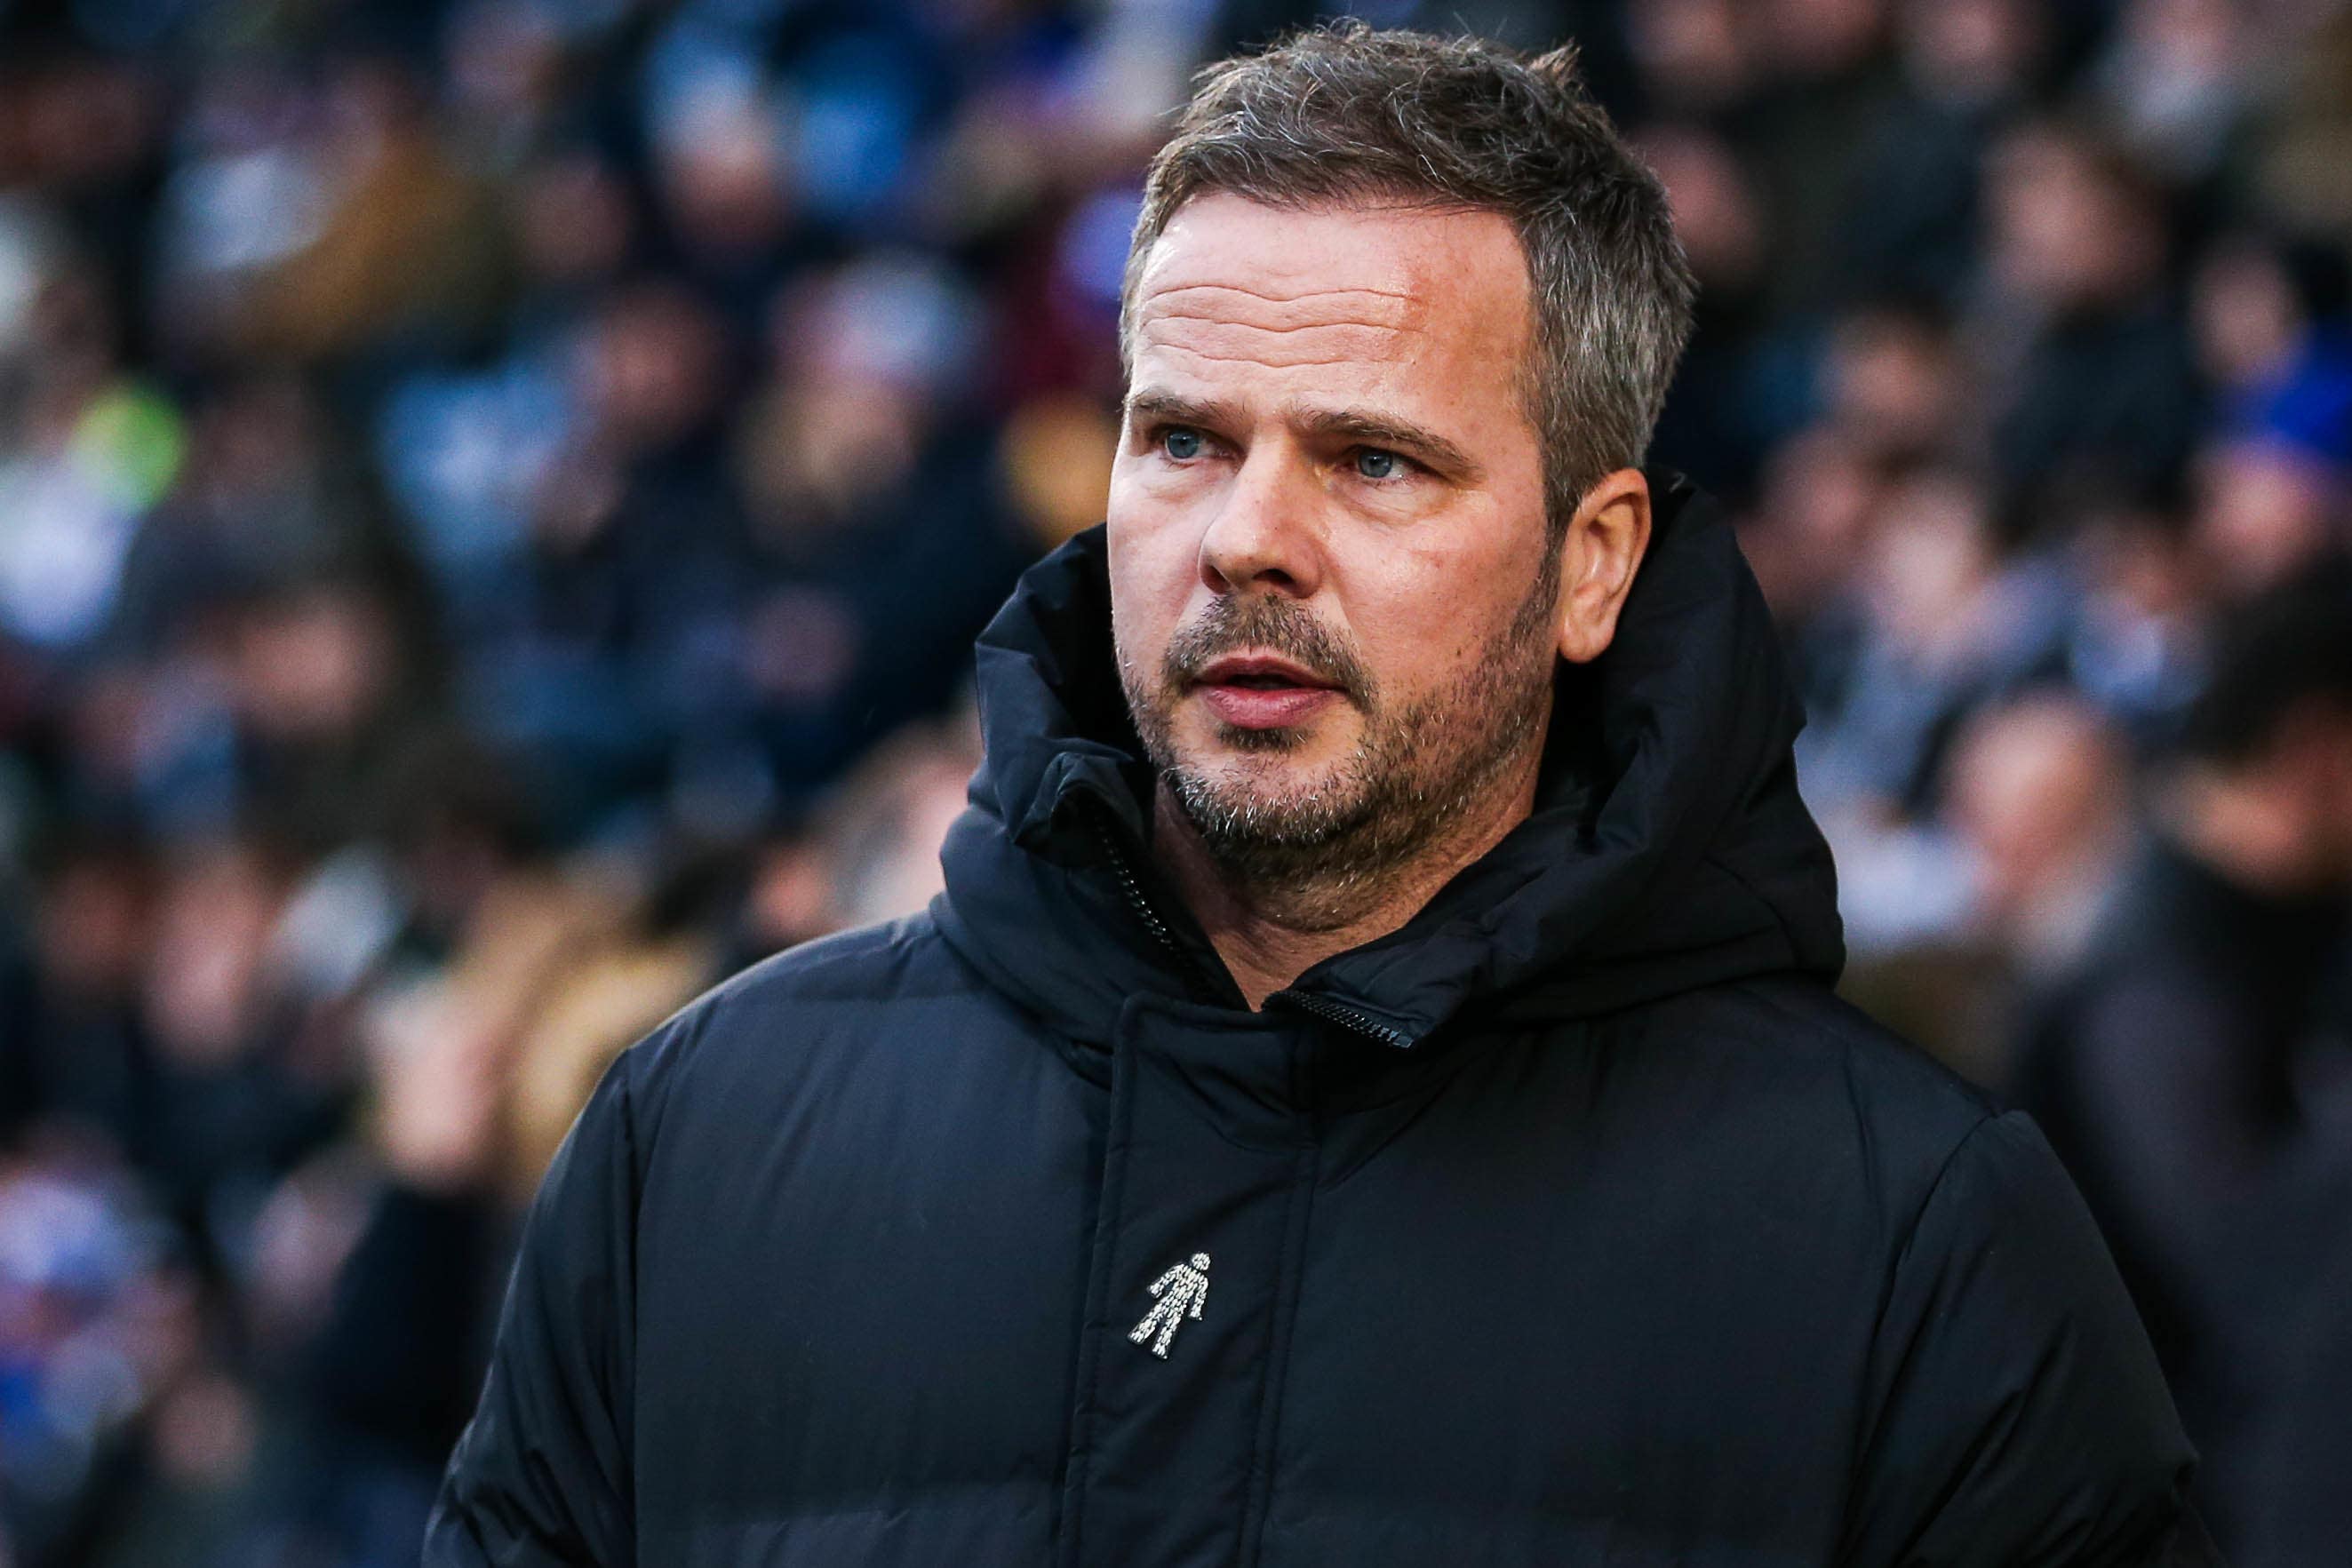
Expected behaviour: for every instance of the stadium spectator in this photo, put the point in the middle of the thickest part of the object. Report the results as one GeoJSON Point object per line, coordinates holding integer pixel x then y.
{"type": "Point", "coordinates": [2193, 1065]}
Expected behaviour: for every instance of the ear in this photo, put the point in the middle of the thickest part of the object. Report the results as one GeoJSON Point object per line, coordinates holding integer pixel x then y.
{"type": "Point", "coordinates": [1598, 555]}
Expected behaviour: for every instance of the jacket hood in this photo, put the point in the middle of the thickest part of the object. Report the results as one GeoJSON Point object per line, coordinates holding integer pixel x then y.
{"type": "Point", "coordinates": [1667, 850]}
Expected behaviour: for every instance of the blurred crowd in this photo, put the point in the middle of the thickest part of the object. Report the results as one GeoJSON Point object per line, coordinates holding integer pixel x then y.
{"type": "Point", "coordinates": [496, 497]}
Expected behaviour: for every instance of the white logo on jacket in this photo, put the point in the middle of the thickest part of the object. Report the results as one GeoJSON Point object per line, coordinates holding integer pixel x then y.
{"type": "Point", "coordinates": [1183, 1290]}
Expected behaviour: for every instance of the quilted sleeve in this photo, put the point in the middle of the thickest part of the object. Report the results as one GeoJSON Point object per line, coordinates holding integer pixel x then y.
{"type": "Point", "coordinates": [2019, 1416]}
{"type": "Point", "coordinates": [542, 1474]}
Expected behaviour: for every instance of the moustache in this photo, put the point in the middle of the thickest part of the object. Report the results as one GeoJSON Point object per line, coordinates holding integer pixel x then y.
{"type": "Point", "coordinates": [1232, 624]}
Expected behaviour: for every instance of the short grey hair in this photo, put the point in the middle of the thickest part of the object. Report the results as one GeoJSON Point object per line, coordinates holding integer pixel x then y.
{"type": "Point", "coordinates": [1342, 113]}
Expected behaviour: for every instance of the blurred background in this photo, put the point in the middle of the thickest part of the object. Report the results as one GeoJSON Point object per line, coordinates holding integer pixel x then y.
{"type": "Point", "coordinates": [496, 494]}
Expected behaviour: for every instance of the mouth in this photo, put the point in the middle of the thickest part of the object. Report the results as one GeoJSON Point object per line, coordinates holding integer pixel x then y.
{"type": "Point", "coordinates": [1262, 673]}
{"type": "Point", "coordinates": [1264, 690]}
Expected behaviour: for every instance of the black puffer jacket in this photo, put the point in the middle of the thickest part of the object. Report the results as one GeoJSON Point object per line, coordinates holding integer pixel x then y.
{"type": "Point", "coordinates": [1574, 1223]}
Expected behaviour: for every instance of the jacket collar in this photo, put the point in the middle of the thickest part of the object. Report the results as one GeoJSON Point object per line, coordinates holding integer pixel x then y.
{"type": "Point", "coordinates": [1668, 848]}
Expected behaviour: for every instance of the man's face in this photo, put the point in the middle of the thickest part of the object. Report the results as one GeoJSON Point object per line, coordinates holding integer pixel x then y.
{"type": "Point", "coordinates": [1335, 605]}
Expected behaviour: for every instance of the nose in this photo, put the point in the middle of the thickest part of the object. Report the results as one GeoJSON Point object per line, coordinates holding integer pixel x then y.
{"type": "Point", "coordinates": [1263, 537]}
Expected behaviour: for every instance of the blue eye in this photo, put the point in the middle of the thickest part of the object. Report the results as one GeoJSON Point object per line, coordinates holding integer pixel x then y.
{"type": "Point", "coordinates": [1181, 444]}
{"type": "Point", "coordinates": [1373, 464]}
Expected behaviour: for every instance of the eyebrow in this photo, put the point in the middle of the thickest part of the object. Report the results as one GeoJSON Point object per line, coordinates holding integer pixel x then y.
{"type": "Point", "coordinates": [1175, 410]}
{"type": "Point", "coordinates": [1425, 447]}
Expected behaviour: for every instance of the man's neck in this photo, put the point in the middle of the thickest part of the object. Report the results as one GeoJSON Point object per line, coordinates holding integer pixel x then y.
{"type": "Point", "coordinates": [1268, 937]}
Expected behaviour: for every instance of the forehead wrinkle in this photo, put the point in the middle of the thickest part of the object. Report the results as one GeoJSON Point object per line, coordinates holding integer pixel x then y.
{"type": "Point", "coordinates": [1224, 304]}
{"type": "Point", "coordinates": [1219, 321]}
{"type": "Point", "coordinates": [1163, 292]}
{"type": "Point", "coordinates": [1287, 363]}
{"type": "Point", "coordinates": [1300, 344]}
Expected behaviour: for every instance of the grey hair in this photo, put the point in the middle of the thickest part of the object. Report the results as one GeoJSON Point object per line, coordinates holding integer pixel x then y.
{"type": "Point", "coordinates": [1342, 113]}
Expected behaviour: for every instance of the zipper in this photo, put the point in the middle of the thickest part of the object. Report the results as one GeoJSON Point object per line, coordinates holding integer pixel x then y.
{"type": "Point", "coordinates": [1139, 900]}
{"type": "Point", "coordinates": [1136, 899]}
{"type": "Point", "coordinates": [1345, 1017]}
{"type": "Point", "coordinates": [1141, 903]}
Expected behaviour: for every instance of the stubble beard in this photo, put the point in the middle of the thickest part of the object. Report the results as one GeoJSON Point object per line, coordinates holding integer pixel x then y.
{"type": "Point", "coordinates": [1316, 854]}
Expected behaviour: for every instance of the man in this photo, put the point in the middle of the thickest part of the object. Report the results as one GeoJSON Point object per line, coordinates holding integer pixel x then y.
{"type": "Point", "coordinates": [1384, 967]}
{"type": "Point", "coordinates": [2195, 1068]}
